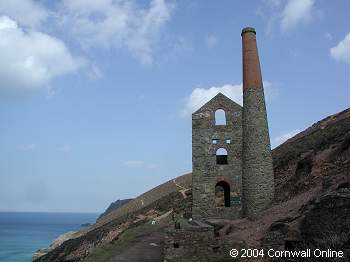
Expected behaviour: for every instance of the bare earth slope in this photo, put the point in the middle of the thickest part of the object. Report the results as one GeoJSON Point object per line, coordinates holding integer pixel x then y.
{"type": "Point", "coordinates": [311, 209]}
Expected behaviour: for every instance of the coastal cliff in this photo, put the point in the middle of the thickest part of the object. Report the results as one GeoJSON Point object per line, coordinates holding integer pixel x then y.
{"type": "Point", "coordinates": [114, 206]}
{"type": "Point", "coordinates": [311, 206]}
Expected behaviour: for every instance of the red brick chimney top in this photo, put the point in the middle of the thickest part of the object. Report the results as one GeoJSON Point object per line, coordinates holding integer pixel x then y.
{"type": "Point", "coordinates": [248, 29]}
{"type": "Point", "coordinates": [251, 65]}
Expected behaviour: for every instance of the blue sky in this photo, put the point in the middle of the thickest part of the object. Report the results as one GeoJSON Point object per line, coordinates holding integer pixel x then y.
{"type": "Point", "coordinates": [96, 95]}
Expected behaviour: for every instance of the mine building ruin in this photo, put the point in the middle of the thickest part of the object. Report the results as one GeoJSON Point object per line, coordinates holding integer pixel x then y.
{"type": "Point", "coordinates": [232, 174]}
{"type": "Point", "coordinates": [233, 152]}
{"type": "Point", "coordinates": [217, 160]}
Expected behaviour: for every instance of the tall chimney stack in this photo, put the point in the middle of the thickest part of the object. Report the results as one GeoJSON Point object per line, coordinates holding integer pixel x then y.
{"type": "Point", "coordinates": [258, 178]}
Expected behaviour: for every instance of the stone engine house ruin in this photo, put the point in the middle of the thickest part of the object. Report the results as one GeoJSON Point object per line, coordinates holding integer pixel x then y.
{"type": "Point", "coordinates": [232, 174]}
{"type": "Point", "coordinates": [232, 165]}
{"type": "Point", "coordinates": [217, 159]}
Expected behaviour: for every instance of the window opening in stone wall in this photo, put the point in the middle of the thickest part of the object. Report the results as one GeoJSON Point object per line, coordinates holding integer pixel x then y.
{"type": "Point", "coordinates": [176, 245]}
{"type": "Point", "coordinates": [228, 141]}
{"type": "Point", "coordinates": [216, 249]}
{"type": "Point", "coordinates": [215, 141]}
{"type": "Point", "coordinates": [222, 194]}
{"type": "Point", "coordinates": [221, 156]}
{"type": "Point", "coordinates": [220, 117]}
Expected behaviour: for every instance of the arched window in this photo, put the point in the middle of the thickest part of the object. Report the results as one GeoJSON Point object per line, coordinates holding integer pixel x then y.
{"type": "Point", "coordinates": [220, 117]}
{"type": "Point", "coordinates": [221, 156]}
{"type": "Point", "coordinates": [222, 194]}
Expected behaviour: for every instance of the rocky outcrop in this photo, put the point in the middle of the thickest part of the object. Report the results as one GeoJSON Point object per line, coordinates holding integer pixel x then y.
{"type": "Point", "coordinates": [323, 222]}
{"type": "Point", "coordinates": [55, 244]}
{"type": "Point", "coordinates": [318, 158]}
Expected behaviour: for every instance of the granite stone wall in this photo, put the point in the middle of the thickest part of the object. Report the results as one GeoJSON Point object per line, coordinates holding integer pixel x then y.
{"type": "Point", "coordinates": [190, 243]}
{"type": "Point", "coordinates": [258, 180]}
{"type": "Point", "coordinates": [194, 241]}
{"type": "Point", "coordinates": [206, 172]}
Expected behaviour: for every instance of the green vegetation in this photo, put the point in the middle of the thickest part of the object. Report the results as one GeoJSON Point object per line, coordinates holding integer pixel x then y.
{"type": "Point", "coordinates": [126, 240]}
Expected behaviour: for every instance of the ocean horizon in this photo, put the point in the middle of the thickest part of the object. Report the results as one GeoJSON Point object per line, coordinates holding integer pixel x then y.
{"type": "Point", "coordinates": [23, 233]}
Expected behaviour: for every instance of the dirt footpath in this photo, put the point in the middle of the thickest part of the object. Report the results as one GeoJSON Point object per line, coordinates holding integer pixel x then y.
{"type": "Point", "coordinates": [146, 248]}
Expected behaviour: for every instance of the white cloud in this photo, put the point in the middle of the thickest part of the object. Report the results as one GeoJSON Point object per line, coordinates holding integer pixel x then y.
{"type": "Point", "coordinates": [296, 12]}
{"type": "Point", "coordinates": [200, 96]}
{"type": "Point", "coordinates": [139, 164]}
{"type": "Point", "coordinates": [283, 137]}
{"type": "Point", "coordinates": [287, 14]}
{"type": "Point", "coordinates": [26, 12]}
{"type": "Point", "coordinates": [30, 59]}
{"type": "Point", "coordinates": [29, 147]}
{"type": "Point", "coordinates": [210, 40]}
{"type": "Point", "coordinates": [117, 24]}
{"type": "Point", "coordinates": [341, 52]}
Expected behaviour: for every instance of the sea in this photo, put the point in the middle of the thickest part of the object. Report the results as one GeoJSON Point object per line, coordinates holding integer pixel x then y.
{"type": "Point", "coordinates": [21, 234]}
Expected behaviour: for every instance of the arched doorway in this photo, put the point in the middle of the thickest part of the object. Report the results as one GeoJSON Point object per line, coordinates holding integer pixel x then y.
{"type": "Point", "coordinates": [222, 194]}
